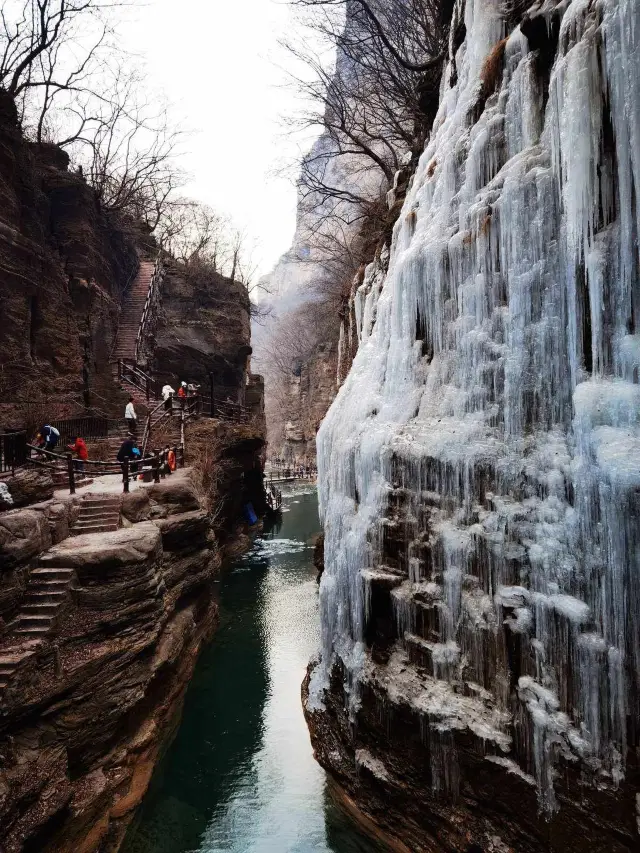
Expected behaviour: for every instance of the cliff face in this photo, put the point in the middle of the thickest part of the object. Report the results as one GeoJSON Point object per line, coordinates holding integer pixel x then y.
{"type": "Point", "coordinates": [312, 387]}
{"type": "Point", "coordinates": [85, 715]}
{"type": "Point", "coordinates": [203, 331]}
{"type": "Point", "coordinates": [479, 679]}
{"type": "Point", "coordinates": [64, 268]}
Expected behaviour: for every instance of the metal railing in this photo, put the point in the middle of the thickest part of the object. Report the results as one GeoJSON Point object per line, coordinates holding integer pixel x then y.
{"type": "Point", "coordinates": [129, 371]}
{"type": "Point", "coordinates": [13, 451]}
{"type": "Point", "coordinates": [149, 305]}
{"type": "Point", "coordinates": [89, 428]}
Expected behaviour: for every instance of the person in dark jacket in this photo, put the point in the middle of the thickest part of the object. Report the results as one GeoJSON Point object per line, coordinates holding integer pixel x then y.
{"type": "Point", "coordinates": [50, 436]}
{"type": "Point", "coordinates": [126, 450]}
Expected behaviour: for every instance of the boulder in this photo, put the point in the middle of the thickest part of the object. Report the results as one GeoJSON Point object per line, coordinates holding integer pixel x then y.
{"type": "Point", "coordinates": [185, 532]}
{"type": "Point", "coordinates": [98, 557]}
{"type": "Point", "coordinates": [23, 534]}
{"type": "Point", "coordinates": [175, 495]}
{"type": "Point", "coordinates": [30, 486]}
{"type": "Point", "coordinates": [58, 519]}
{"type": "Point", "coordinates": [136, 506]}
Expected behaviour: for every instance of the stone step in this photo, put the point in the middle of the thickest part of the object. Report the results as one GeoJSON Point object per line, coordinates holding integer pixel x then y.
{"type": "Point", "coordinates": [99, 513]}
{"type": "Point", "coordinates": [46, 608]}
{"type": "Point", "coordinates": [33, 632]}
{"type": "Point", "coordinates": [92, 521]}
{"type": "Point", "coordinates": [85, 523]}
{"type": "Point", "coordinates": [48, 587]}
{"type": "Point", "coordinates": [40, 622]}
{"type": "Point", "coordinates": [53, 573]}
{"type": "Point", "coordinates": [12, 658]}
{"type": "Point", "coordinates": [44, 595]}
{"type": "Point", "coordinates": [95, 528]}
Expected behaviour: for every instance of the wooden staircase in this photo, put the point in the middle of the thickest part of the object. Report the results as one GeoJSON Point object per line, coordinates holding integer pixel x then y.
{"type": "Point", "coordinates": [132, 311]}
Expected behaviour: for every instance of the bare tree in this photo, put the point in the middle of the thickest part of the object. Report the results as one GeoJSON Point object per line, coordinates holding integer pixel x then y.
{"type": "Point", "coordinates": [376, 104]}
{"type": "Point", "coordinates": [49, 48]}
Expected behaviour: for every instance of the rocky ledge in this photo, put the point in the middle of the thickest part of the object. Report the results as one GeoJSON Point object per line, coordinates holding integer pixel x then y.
{"type": "Point", "coordinates": [88, 707]}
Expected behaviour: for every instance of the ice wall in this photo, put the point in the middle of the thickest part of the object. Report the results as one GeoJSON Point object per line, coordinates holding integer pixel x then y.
{"type": "Point", "coordinates": [498, 367]}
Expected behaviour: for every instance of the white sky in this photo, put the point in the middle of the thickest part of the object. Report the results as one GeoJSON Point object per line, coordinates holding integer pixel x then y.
{"type": "Point", "coordinates": [219, 64]}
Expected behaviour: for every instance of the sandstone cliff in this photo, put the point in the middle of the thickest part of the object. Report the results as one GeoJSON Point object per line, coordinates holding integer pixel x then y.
{"type": "Point", "coordinates": [65, 265]}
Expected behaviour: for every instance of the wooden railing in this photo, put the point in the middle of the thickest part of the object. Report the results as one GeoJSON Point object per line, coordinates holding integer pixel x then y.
{"type": "Point", "coordinates": [152, 463]}
{"type": "Point", "coordinates": [149, 306]}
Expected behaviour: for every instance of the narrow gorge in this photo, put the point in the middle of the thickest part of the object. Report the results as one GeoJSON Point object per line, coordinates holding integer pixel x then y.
{"type": "Point", "coordinates": [320, 447]}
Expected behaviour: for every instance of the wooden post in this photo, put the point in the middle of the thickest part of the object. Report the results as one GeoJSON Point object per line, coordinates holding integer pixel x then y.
{"type": "Point", "coordinates": [57, 663]}
{"type": "Point", "coordinates": [146, 387]}
{"type": "Point", "coordinates": [156, 467]}
{"type": "Point", "coordinates": [71, 472]}
{"type": "Point", "coordinates": [175, 452]}
{"type": "Point", "coordinates": [125, 475]}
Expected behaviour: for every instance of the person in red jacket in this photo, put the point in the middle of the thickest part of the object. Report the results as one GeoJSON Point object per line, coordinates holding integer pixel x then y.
{"type": "Point", "coordinates": [80, 448]}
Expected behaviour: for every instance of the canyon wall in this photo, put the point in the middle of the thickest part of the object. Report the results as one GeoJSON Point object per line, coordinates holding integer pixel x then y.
{"type": "Point", "coordinates": [203, 332]}
{"type": "Point", "coordinates": [65, 264]}
{"type": "Point", "coordinates": [86, 713]}
{"type": "Point", "coordinates": [479, 681]}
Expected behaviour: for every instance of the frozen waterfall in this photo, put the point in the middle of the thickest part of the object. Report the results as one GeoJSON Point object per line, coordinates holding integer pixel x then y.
{"type": "Point", "coordinates": [498, 368]}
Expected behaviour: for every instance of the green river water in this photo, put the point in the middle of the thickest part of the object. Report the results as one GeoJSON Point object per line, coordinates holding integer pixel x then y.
{"type": "Point", "coordinates": [240, 776]}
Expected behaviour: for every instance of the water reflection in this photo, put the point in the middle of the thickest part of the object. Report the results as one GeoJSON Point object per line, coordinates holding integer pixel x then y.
{"type": "Point", "coordinates": [240, 776]}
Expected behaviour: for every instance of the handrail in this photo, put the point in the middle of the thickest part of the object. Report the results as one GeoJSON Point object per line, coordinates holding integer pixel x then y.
{"type": "Point", "coordinates": [129, 469]}
{"type": "Point", "coordinates": [154, 284]}
{"type": "Point", "coordinates": [129, 371]}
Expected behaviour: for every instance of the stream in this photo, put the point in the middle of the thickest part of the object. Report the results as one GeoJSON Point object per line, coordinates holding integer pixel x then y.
{"type": "Point", "coordinates": [240, 775]}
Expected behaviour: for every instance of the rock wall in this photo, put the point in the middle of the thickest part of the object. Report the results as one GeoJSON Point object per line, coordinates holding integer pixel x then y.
{"type": "Point", "coordinates": [84, 718]}
{"type": "Point", "coordinates": [311, 390]}
{"type": "Point", "coordinates": [203, 331]}
{"type": "Point", "coordinates": [479, 682]}
{"type": "Point", "coordinates": [64, 268]}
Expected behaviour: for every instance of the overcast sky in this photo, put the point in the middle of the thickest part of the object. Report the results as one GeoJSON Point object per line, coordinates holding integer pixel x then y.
{"type": "Point", "coordinates": [219, 63]}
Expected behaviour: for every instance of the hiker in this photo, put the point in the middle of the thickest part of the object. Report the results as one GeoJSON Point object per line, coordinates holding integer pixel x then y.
{"type": "Point", "coordinates": [128, 450]}
{"type": "Point", "coordinates": [48, 437]}
{"type": "Point", "coordinates": [170, 456]}
{"type": "Point", "coordinates": [130, 417]}
{"type": "Point", "coordinates": [167, 394]}
{"type": "Point", "coordinates": [80, 448]}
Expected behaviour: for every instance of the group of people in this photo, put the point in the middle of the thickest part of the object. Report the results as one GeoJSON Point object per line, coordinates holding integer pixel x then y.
{"type": "Point", "coordinates": [130, 452]}
{"type": "Point", "coordinates": [47, 440]}
{"type": "Point", "coordinates": [184, 391]}
{"type": "Point", "coordinates": [295, 469]}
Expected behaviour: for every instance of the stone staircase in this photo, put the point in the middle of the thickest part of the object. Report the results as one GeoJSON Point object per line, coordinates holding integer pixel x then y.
{"type": "Point", "coordinates": [46, 594]}
{"type": "Point", "coordinates": [61, 479]}
{"type": "Point", "coordinates": [97, 514]}
{"type": "Point", "coordinates": [132, 313]}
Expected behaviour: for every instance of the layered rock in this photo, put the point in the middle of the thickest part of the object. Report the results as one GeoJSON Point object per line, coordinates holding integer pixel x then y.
{"type": "Point", "coordinates": [479, 680]}
{"type": "Point", "coordinates": [65, 266]}
{"type": "Point", "coordinates": [85, 714]}
{"type": "Point", "coordinates": [203, 332]}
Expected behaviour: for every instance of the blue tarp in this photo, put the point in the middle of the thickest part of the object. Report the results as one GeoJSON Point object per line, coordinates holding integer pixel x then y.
{"type": "Point", "coordinates": [249, 514]}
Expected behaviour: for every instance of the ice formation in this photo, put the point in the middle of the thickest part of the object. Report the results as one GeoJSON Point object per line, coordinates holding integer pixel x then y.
{"type": "Point", "coordinates": [498, 368]}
